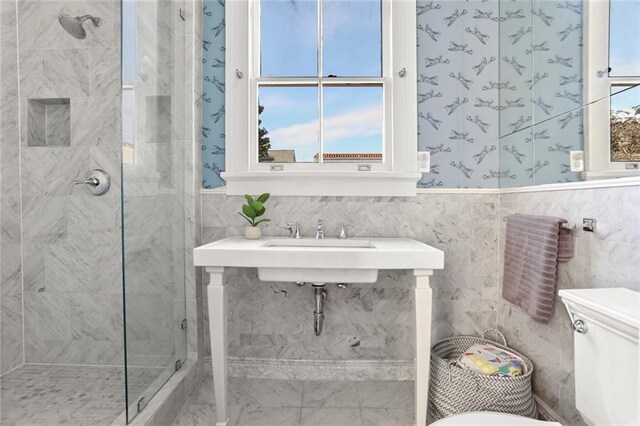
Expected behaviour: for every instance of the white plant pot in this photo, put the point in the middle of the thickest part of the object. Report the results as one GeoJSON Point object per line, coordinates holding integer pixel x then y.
{"type": "Point", "coordinates": [252, 233]}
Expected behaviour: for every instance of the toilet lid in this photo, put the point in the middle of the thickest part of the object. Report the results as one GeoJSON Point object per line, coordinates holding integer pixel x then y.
{"type": "Point", "coordinates": [486, 418]}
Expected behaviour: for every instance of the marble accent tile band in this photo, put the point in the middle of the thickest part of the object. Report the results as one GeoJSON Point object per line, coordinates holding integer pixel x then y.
{"type": "Point", "coordinates": [305, 369]}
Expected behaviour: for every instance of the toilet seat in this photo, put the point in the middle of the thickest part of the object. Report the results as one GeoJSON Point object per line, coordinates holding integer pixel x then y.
{"type": "Point", "coordinates": [487, 418]}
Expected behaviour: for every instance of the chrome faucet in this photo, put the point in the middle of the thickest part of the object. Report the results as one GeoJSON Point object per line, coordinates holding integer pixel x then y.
{"type": "Point", "coordinates": [319, 231]}
{"type": "Point", "coordinates": [294, 230]}
{"type": "Point", "coordinates": [343, 230]}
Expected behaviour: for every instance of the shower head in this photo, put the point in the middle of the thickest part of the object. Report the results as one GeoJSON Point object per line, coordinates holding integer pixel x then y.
{"type": "Point", "coordinates": [74, 26]}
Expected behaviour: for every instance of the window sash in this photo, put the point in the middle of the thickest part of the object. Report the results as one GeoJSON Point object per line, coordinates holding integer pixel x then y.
{"type": "Point", "coordinates": [256, 81]}
{"type": "Point", "coordinates": [387, 142]}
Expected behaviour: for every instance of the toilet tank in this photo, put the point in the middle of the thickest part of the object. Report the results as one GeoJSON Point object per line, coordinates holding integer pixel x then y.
{"type": "Point", "coordinates": [606, 355]}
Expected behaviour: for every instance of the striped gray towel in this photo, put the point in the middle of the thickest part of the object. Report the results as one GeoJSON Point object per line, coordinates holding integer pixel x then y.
{"type": "Point", "coordinates": [533, 247]}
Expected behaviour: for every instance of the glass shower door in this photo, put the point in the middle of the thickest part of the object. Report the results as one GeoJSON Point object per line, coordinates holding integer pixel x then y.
{"type": "Point", "coordinates": [152, 195]}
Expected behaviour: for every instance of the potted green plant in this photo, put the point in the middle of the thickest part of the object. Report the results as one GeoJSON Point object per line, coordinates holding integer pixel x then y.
{"type": "Point", "coordinates": [251, 212]}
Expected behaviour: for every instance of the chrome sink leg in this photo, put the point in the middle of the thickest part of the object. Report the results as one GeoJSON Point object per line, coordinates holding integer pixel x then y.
{"type": "Point", "coordinates": [320, 295]}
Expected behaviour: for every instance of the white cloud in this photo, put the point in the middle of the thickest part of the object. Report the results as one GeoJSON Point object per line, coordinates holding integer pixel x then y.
{"type": "Point", "coordinates": [276, 100]}
{"type": "Point", "coordinates": [363, 122]}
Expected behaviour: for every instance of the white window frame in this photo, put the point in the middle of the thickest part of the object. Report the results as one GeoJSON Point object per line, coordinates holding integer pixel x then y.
{"type": "Point", "coordinates": [597, 89]}
{"type": "Point", "coordinates": [397, 175]}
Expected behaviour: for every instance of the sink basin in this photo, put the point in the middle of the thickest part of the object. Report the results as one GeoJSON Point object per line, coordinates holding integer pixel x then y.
{"type": "Point", "coordinates": [328, 242]}
{"type": "Point", "coordinates": [330, 260]}
{"type": "Point", "coordinates": [319, 275]}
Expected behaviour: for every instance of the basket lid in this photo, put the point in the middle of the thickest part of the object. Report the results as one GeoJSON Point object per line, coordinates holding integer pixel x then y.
{"type": "Point", "coordinates": [487, 418]}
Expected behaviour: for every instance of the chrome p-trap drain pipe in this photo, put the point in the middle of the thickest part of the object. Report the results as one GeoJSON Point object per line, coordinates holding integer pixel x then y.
{"type": "Point", "coordinates": [320, 295]}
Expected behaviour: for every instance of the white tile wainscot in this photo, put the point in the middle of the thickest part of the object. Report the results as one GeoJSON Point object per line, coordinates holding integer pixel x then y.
{"type": "Point", "coordinates": [376, 254]}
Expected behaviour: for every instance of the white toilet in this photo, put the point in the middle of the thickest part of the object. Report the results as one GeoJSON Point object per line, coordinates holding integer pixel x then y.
{"type": "Point", "coordinates": [607, 361]}
{"type": "Point", "coordinates": [487, 418]}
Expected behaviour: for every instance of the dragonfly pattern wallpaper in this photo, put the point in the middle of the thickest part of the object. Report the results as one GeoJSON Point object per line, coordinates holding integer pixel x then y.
{"type": "Point", "coordinates": [478, 94]}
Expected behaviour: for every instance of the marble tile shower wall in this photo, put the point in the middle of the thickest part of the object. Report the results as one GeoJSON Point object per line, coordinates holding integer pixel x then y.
{"type": "Point", "coordinates": [72, 242]}
{"type": "Point", "coordinates": [610, 257]}
{"type": "Point", "coordinates": [363, 322]}
{"type": "Point", "coordinates": [458, 104]}
{"type": "Point", "coordinates": [11, 345]}
{"type": "Point", "coordinates": [71, 239]}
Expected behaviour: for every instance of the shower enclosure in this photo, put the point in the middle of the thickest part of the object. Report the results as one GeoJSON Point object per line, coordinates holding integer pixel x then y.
{"type": "Point", "coordinates": [92, 309]}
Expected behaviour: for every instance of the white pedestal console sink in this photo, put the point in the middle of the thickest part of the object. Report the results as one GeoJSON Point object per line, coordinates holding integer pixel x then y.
{"type": "Point", "coordinates": [319, 261]}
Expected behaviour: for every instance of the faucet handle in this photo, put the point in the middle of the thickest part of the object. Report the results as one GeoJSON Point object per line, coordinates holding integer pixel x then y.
{"type": "Point", "coordinates": [293, 228]}
{"type": "Point", "coordinates": [319, 230]}
{"type": "Point", "coordinates": [289, 227]}
{"type": "Point", "coordinates": [343, 230]}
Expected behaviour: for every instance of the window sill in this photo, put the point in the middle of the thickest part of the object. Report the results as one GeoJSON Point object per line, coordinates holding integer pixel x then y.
{"type": "Point", "coordinates": [609, 174]}
{"type": "Point", "coordinates": [322, 183]}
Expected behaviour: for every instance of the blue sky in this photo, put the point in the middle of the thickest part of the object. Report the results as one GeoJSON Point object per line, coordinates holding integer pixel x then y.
{"type": "Point", "coordinates": [626, 100]}
{"type": "Point", "coordinates": [624, 44]}
{"type": "Point", "coordinates": [353, 116]}
{"type": "Point", "coordinates": [624, 47]}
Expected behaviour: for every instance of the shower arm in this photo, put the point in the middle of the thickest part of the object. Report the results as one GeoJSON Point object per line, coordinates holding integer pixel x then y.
{"type": "Point", "coordinates": [96, 21]}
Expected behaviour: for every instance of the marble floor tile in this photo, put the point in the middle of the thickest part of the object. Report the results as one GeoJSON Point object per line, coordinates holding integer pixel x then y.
{"type": "Point", "coordinates": [330, 417]}
{"type": "Point", "coordinates": [323, 403]}
{"type": "Point", "coordinates": [385, 394]}
{"type": "Point", "coordinates": [47, 394]}
{"type": "Point", "coordinates": [269, 416]}
{"type": "Point", "coordinates": [387, 416]}
{"type": "Point", "coordinates": [195, 414]}
{"type": "Point", "coordinates": [338, 394]}
{"type": "Point", "coordinates": [275, 393]}
{"type": "Point", "coordinates": [237, 390]}
{"type": "Point", "coordinates": [205, 415]}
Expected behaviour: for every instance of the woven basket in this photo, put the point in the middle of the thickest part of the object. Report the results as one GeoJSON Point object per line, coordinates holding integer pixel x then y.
{"type": "Point", "coordinates": [455, 390]}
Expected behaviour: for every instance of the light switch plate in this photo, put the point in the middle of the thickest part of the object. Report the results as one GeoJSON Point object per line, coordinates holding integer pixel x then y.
{"type": "Point", "coordinates": [424, 161]}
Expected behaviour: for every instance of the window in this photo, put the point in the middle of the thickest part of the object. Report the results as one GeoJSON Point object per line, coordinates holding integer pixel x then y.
{"type": "Point", "coordinates": [612, 88]}
{"type": "Point", "coordinates": [321, 97]}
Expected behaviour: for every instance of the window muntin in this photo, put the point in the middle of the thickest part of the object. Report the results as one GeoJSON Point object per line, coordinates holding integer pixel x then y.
{"type": "Point", "coordinates": [354, 65]}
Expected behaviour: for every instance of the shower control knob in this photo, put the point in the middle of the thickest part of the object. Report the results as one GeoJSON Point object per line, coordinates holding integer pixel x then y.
{"type": "Point", "coordinates": [97, 181]}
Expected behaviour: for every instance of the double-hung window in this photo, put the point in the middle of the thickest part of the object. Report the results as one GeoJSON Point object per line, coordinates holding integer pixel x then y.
{"type": "Point", "coordinates": [321, 97]}
{"type": "Point", "coordinates": [612, 88]}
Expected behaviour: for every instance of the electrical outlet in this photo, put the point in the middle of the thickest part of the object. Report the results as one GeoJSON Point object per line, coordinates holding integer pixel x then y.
{"type": "Point", "coordinates": [424, 161]}
{"type": "Point", "coordinates": [576, 159]}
